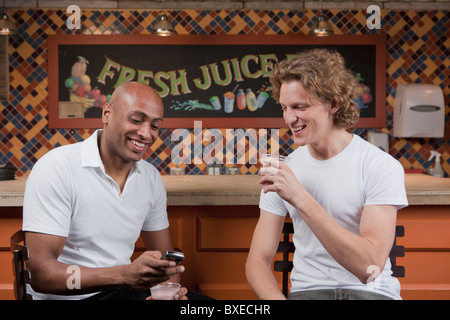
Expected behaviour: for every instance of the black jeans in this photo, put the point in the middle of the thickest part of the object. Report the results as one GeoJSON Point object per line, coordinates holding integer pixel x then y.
{"type": "Point", "coordinates": [127, 293]}
{"type": "Point", "coordinates": [122, 293]}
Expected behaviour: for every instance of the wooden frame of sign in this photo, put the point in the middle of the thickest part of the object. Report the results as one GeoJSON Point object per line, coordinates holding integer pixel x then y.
{"type": "Point", "coordinates": [221, 80]}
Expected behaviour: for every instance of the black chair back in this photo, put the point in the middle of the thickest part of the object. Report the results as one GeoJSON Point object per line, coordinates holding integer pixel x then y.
{"type": "Point", "coordinates": [21, 274]}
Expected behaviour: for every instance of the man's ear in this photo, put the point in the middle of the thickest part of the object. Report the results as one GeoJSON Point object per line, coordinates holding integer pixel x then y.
{"type": "Point", "coordinates": [334, 107]}
{"type": "Point", "coordinates": [106, 112]}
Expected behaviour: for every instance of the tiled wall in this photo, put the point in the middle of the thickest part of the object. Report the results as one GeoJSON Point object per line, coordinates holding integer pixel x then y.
{"type": "Point", "coordinates": [417, 51]}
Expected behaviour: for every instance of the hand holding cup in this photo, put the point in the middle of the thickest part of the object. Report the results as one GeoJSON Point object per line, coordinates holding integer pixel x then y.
{"type": "Point", "coordinates": [271, 164]}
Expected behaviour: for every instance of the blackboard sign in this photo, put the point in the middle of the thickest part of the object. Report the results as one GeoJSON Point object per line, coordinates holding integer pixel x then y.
{"type": "Point", "coordinates": [221, 80]}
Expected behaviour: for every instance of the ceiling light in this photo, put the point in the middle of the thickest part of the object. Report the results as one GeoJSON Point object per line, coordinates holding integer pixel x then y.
{"type": "Point", "coordinates": [7, 27]}
{"type": "Point", "coordinates": [162, 26]}
{"type": "Point", "coordinates": [321, 27]}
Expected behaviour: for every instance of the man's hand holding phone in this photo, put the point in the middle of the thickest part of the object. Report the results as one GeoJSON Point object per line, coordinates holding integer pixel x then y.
{"type": "Point", "coordinates": [148, 270]}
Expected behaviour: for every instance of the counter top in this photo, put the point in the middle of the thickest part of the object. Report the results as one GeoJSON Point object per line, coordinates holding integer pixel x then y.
{"type": "Point", "coordinates": [421, 189]}
{"type": "Point", "coordinates": [11, 192]}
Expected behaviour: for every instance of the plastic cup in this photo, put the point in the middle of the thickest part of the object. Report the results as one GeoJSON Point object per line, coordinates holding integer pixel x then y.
{"type": "Point", "coordinates": [271, 164]}
{"type": "Point", "coordinates": [165, 290]}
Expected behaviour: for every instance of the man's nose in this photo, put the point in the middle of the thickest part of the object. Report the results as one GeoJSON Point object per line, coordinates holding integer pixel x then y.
{"type": "Point", "coordinates": [289, 116]}
{"type": "Point", "coordinates": [145, 131]}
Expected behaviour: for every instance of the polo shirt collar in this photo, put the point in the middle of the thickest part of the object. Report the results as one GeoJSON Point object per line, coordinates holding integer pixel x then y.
{"type": "Point", "coordinates": [90, 153]}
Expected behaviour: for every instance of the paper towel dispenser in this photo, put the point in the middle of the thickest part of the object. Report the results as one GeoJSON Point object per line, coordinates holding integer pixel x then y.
{"type": "Point", "coordinates": [419, 111]}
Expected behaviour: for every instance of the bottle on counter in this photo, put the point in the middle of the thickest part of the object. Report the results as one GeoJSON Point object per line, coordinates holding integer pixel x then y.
{"type": "Point", "coordinates": [437, 170]}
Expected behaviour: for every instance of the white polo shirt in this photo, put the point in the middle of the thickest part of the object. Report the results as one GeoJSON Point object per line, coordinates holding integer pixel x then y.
{"type": "Point", "coordinates": [68, 194]}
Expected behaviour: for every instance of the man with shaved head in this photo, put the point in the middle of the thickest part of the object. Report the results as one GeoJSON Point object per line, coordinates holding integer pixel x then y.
{"type": "Point", "coordinates": [87, 203]}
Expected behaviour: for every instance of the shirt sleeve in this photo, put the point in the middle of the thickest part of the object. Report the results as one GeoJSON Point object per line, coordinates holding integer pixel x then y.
{"type": "Point", "coordinates": [157, 217]}
{"type": "Point", "coordinates": [47, 198]}
{"type": "Point", "coordinates": [272, 202]}
{"type": "Point", "coordinates": [386, 184]}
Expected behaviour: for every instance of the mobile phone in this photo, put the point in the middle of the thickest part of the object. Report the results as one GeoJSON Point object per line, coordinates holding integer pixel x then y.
{"type": "Point", "coordinates": [174, 256]}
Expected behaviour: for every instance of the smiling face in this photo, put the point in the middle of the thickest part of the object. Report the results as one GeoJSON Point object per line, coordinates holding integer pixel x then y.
{"type": "Point", "coordinates": [131, 123]}
{"type": "Point", "coordinates": [310, 120]}
{"type": "Point", "coordinates": [324, 76]}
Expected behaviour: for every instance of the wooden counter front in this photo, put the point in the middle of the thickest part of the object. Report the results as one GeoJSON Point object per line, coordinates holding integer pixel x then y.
{"type": "Point", "coordinates": [212, 219]}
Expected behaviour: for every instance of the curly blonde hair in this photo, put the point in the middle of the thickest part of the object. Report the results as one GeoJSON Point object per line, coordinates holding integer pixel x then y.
{"type": "Point", "coordinates": [324, 76]}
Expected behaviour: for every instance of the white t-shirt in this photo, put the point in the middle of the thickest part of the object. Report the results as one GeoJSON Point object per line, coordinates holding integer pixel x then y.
{"type": "Point", "coordinates": [358, 176]}
{"type": "Point", "coordinates": [68, 194]}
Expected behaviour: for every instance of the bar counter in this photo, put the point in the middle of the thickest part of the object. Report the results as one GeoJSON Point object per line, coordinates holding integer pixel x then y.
{"type": "Point", "coordinates": [198, 190]}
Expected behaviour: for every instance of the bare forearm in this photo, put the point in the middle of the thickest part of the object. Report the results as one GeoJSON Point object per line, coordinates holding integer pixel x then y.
{"type": "Point", "coordinates": [63, 279]}
{"type": "Point", "coordinates": [258, 267]}
{"type": "Point", "coordinates": [261, 280]}
{"type": "Point", "coordinates": [144, 272]}
{"type": "Point", "coordinates": [48, 275]}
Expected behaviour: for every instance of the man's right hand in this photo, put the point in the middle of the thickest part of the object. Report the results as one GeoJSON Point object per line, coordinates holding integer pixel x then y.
{"type": "Point", "coordinates": [148, 270]}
